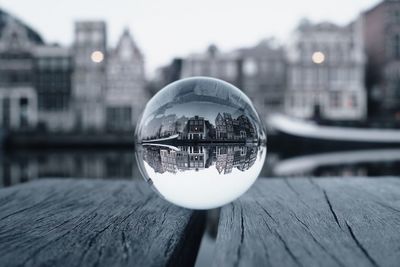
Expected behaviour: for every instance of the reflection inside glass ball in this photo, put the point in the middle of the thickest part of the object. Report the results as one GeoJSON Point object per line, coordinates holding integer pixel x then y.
{"type": "Point", "coordinates": [200, 143]}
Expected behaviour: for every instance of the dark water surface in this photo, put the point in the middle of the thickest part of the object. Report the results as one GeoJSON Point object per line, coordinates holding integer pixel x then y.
{"type": "Point", "coordinates": [18, 165]}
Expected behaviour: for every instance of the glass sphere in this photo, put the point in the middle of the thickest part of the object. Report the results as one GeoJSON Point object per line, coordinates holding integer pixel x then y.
{"type": "Point", "coordinates": [200, 143]}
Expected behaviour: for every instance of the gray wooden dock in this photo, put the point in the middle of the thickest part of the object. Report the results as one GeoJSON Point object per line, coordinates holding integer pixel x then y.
{"type": "Point", "coordinates": [279, 222]}
{"type": "Point", "coordinates": [94, 223]}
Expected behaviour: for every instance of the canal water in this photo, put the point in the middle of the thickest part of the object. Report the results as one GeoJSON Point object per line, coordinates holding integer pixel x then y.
{"type": "Point", "coordinates": [19, 165]}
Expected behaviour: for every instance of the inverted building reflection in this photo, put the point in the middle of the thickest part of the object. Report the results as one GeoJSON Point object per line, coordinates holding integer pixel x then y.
{"type": "Point", "coordinates": [26, 165]}
{"type": "Point", "coordinates": [223, 158]}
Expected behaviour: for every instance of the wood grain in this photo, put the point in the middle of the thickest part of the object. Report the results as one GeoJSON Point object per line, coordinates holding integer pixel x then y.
{"type": "Point", "coordinates": [312, 222]}
{"type": "Point", "coordinates": [94, 223]}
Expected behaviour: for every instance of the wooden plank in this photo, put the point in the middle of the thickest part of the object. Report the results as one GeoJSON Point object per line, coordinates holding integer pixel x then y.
{"type": "Point", "coordinates": [94, 223]}
{"type": "Point", "coordinates": [312, 222]}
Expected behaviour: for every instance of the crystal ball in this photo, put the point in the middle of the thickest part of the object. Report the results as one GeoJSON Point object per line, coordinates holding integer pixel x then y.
{"type": "Point", "coordinates": [200, 143]}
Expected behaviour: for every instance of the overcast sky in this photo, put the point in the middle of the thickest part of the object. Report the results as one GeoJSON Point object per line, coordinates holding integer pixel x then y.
{"type": "Point", "coordinates": [164, 29]}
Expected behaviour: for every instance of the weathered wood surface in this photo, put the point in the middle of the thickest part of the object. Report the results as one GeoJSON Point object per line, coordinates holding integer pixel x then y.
{"type": "Point", "coordinates": [312, 222]}
{"type": "Point", "coordinates": [94, 223]}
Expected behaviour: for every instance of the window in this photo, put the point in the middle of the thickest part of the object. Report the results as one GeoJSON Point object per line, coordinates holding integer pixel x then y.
{"type": "Point", "coordinates": [397, 89]}
{"type": "Point", "coordinates": [23, 102]}
{"type": "Point", "coordinates": [396, 46]}
{"type": "Point", "coordinates": [6, 113]}
{"type": "Point", "coordinates": [335, 99]}
{"type": "Point", "coordinates": [81, 37]}
{"type": "Point", "coordinates": [309, 76]}
{"type": "Point", "coordinates": [250, 67]}
{"type": "Point", "coordinates": [333, 75]}
{"type": "Point", "coordinates": [396, 16]}
{"type": "Point", "coordinates": [322, 75]}
{"type": "Point", "coordinates": [296, 76]}
{"type": "Point", "coordinates": [343, 74]}
{"type": "Point", "coordinates": [230, 69]}
{"type": "Point", "coordinates": [96, 37]}
{"type": "Point", "coordinates": [119, 117]}
{"type": "Point", "coordinates": [354, 101]}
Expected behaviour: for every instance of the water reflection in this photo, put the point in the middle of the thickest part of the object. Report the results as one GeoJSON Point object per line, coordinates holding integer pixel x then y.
{"type": "Point", "coordinates": [20, 166]}
{"type": "Point", "coordinates": [162, 158]}
{"type": "Point", "coordinates": [378, 162]}
{"type": "Point", "coordinates": [201, 176]}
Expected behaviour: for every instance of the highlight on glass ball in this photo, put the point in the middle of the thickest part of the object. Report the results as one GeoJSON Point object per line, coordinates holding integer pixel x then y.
{"type": "Point", "coordinates": [200, 143]}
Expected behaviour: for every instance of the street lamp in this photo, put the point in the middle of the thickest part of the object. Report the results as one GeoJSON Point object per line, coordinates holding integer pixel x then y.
{"type": "Point", "coordinates": [318, 57]}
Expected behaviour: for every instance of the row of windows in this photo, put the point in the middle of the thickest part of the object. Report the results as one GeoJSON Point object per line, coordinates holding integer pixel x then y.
{"type": "Point", "coordinates": [332, 56]}
{"type": "Point", "coordinates": [130, 68]}
{"type": "Point", "coordinates": [54, 63]}
{"type": "Point", "coordinates": [15, 77]}
{"type": "Point", "coordinates": [166, 159]}
{"type": "Point", "coordinates": [90, 36]}
{"type": "Point", "coordinates": [212, 68]}
{"type": "Point", "coordinates": [394, 16]}
{"type": "Point", "coordinates": [335, 100]}
{"type": "Point", "coordinates": [323, 75]}
{"type": "Point", "coordinates": [192, 149]}
{"type": "Point", "coordinates": [53, 85]}
{"type": "Point", "coordinates": [395, 88]}
{"type": "Point", "coordinates": [395, 47]}
{"type": "Point", "coordinates": [341, 45]}
{"type": "Point", "coordinates": [53, 101]}
{"type": "Point", "coordinates": [200, 157]}
{"type": "Point", "coordinates": [18, 55]}
{"type": "Point", "coordinates": [253, 67]}
{"type": "Point", "coordinates": [196, 122]}
{"type": "Point", "coordinates": [119, 117]}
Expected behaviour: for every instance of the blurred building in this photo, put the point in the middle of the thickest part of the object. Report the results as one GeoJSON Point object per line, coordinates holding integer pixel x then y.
{"type": "Point", "coordinates": [213, 63]}
{"type": "Point", "coordinates": [58, 88]}
{"type": "Point", "coordinates": [165, 75]}
{"type": "Point", "coordinates": [382, 45]}
{"type": "Point", "coordinates": [18, 98]}
{"type": "Point", "coordinates": [263, 75]}
{"type": "Point", "coordinates": [63, 89]}
{"type": "Point", "coordinates": [89, 83]}
{"type": "Point", "coordinates": [259, 71]}
{"type": "Point", "coordinates": [53, 83]}
{"type": "Point", "coordinates": [126, 93]}
{"type": "Point", "coordinates": [326, 72]}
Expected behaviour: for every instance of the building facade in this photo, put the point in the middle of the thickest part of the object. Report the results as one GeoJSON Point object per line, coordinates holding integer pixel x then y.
{"type": "Point", "coordinates": [89, 78]}
{"type": "Point", "coordinates": [53, 83]}
{"type": "Point", "coordinates": [169, 160]}
{"type": "Point", "coordinates": [326, 72]}
{"type": "Point", "coordinates": [196, 128]}
{"type": "Point", "coordinates": [84, 87]}
{"type": "Point", "coordinates": [263, 75]}
{"type": "Point", "coordinates": [18, 98]}
{"type": "Point", "coordinates": [259, 71]}
{"type": "Point", "coordinates": [126, 93]}
{"type": "Point", "coordinates": [381, 35]}
{"type": "Point", "coordinates": [213, 63]}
